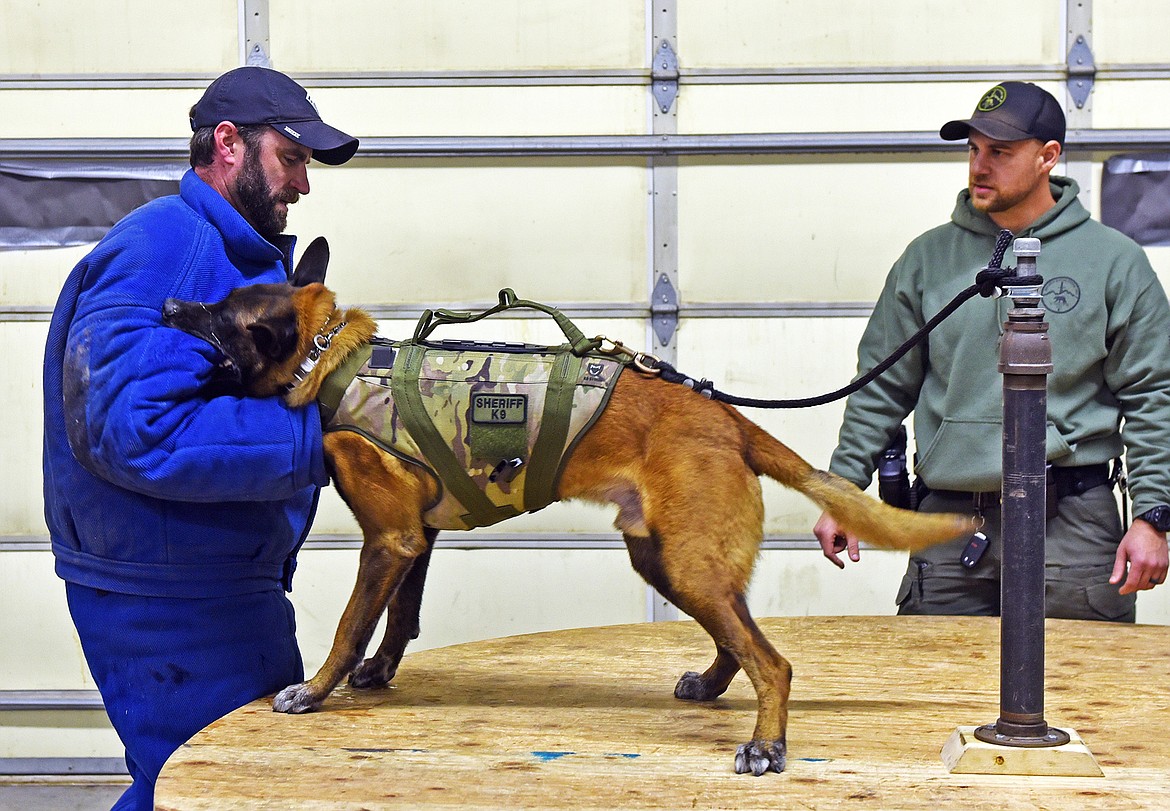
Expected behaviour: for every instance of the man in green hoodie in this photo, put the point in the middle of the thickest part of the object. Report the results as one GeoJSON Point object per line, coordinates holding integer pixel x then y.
{"type": "Point", "coordinates": [1109, 325]}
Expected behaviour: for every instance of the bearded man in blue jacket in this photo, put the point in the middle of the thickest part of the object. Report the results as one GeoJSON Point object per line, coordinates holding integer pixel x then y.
{"type": "Point", "coordinates": [176, 512]}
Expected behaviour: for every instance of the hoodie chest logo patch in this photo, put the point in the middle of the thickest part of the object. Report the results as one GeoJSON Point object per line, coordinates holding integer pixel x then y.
{"type": "Point", "coordinates": [1060, 294]}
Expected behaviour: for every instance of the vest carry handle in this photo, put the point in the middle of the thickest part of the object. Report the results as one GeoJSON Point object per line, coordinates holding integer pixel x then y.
{"type": "Point", "coordinates": [430, 319]}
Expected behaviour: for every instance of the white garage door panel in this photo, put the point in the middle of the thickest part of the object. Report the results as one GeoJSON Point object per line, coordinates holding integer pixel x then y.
{"type": "Point", "coordinates": [421, 35]}
{"type": "Point", "coordinates": [570, 232]}
{"type": "Point", "coordinates": [472, 111]}
{"type": "Point", "coordinates": [34, 278]}
{"type": "Point", "coordinates": [129, 36]}
{"type": "Point", "coordinates": [1137, 103]}
{"type": "Point", "coordinates": [1160, 259]}
{"type": "Point", "coordinates": [803, 230]}
{"type": "Point", "coordinates": [90, 113]}
{"type": "Point", "coordinates": [840, 33]}
{"type": "Point", "coordinates": [21, 505]}
{"type": "Point", "coordinates": [1130, 31]}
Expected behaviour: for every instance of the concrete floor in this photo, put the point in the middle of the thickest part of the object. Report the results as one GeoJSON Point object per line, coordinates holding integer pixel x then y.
{"type": "Point", "coordinates": [60, 796]}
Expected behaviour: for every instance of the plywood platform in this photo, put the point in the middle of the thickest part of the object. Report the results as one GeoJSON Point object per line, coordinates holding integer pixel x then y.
{"type": "Point", "coordinates": [586, 719]}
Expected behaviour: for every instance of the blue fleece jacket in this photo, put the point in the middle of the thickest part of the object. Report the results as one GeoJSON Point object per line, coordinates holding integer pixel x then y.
{"type": "Point", "coordinates": [152, 485]}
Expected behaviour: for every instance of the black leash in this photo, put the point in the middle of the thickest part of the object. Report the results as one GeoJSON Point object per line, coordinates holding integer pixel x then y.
{"type": "Point", "coordinates": [987, 283]}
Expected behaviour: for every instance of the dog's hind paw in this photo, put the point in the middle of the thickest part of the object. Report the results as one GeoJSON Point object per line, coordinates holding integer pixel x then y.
{"type": "Point", "coordinates": [758, 757]}
{"type": "Point", "coordinates": [296, 698]}
{"type": "Point", "coordinates": [693, 687]}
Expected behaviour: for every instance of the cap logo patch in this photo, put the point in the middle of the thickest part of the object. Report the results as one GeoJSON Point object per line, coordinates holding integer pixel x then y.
{"type": "Point", "coordinates": [992, 98]}
{"type": "Point", "coordinates": [291, 131]}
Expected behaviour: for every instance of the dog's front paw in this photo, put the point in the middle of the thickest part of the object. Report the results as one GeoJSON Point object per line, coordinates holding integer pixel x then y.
{"type": "Point", "coordinates": [295, 698]}
{"type": "Point", "coordinates": [758, 757]}
{"type": "Point", "coordinates": [372, 674]}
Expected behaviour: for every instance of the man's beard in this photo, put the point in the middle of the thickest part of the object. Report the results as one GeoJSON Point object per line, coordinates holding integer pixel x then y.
{"type": "Point", "coordinates": [997, 202]}
{"type": "Point", "coordinates": [259, 201]}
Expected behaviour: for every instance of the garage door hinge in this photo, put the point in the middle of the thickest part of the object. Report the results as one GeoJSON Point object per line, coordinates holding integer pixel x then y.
{"type": "Point", "coordinates": [664, 76]}
{"type": "Point", "coordinates": [1081, 71]}
{"type": "Point", "coordinates": [664, 309]}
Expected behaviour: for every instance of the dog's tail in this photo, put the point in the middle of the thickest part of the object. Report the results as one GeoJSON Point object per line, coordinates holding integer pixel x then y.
{"type": "Point", "coordinates": [866, 517]}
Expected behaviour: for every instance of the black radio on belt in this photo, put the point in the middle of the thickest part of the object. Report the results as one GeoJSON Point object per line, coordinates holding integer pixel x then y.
{"type": "Point", "coordinates": [893, 477]}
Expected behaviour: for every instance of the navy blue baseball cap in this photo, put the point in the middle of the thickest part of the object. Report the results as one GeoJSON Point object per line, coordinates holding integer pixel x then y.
{"type": "Point", "coordinates": [255, 95]}
{"type": "Point", "coordinates": [1012, 111]}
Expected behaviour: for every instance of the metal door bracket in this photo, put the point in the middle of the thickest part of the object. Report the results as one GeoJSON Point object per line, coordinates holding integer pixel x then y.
{"type": "Point", "coordinates": [1081, 71]}
{"type": "Point", "coordinates": [664, 309]}
{"type": "Point", "coordinates": [664, 76]}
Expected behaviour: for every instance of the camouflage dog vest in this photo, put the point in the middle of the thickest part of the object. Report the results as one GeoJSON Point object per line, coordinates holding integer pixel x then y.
{"type": "Point", "coordinates": [492, 423]}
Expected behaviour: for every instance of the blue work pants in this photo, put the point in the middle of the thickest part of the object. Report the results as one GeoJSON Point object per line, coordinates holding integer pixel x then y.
{"type": "Point", "coordinates": [167, 667]}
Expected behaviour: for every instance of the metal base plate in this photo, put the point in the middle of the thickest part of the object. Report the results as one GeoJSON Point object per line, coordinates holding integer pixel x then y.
{"type": "Point", "coordinates": [1051, 737]}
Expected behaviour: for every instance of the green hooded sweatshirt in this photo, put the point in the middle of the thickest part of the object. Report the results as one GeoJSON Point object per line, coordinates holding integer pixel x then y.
{"type": "Point", "coordinates": [1109, 327]}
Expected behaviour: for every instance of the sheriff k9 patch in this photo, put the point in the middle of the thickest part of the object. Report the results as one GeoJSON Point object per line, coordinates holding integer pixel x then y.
{"type": "Point", "coordinates": [499, 409]}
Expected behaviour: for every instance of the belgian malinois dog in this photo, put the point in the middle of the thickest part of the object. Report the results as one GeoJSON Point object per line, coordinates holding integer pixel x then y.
{"type": "Point", "coordinates": [682, 469]}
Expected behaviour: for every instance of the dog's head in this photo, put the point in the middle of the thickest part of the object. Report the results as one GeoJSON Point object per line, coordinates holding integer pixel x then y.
{"type": "Point", "coordinates": [263, 331]}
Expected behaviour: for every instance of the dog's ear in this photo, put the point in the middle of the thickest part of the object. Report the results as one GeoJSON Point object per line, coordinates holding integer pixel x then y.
{"type": "Point", "coordinates": [313, 264]}
{"type": "Point", "coordinates": [275, 339]}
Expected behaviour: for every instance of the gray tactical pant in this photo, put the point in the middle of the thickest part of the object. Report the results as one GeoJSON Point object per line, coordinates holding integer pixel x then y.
{"type": "Point", "coordinates": [1080, 545]}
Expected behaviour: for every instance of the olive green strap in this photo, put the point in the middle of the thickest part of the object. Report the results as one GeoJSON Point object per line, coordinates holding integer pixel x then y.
{"type": "Point", "coordinates": [507, 301]}
{"type": "Point", "coordinates": [334, 386]}
{"type": "Point", "coordinates": [540, 481]}
{"type": "Point", "coordinates": [481, 511]}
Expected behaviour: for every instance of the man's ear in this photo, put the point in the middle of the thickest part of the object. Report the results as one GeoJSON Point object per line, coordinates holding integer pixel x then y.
{"type": "Point", "coordinates": [275, 339]}
{"type": "Point", "coordinates": [1050, 154]}
{"type": "Point", "coordinates": [229, 146]}
{"type": "Point", "coordinates": [313, 264]}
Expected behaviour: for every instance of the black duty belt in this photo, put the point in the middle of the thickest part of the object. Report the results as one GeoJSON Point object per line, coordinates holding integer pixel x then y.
{"type": "Point", "coordinates": [1065, 481]}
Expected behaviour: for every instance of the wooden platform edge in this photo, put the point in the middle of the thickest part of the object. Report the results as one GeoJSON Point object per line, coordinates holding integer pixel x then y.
{"type": "Point", "coordinates": [963, 753]}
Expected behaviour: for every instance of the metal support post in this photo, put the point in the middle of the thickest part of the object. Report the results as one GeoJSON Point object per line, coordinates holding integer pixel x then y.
{"type": "Point", "coordinates": [1025, 360]}
{"type": "Point", "coordinates": [1020, 741]}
